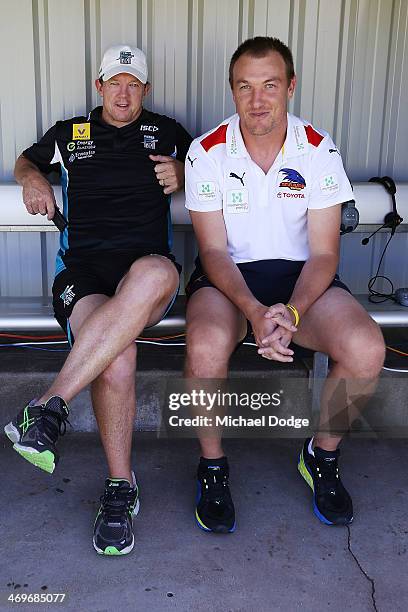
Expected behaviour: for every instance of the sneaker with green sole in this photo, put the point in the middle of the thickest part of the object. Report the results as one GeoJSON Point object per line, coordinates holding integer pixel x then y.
{"type": "Point", "coordinates": [35, 431]}
{"type": "Point", "coordinates": [113, 528]}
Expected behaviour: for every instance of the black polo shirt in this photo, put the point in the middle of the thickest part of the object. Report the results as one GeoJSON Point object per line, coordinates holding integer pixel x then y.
{"type": "Point", "coordinates": [111, 197]}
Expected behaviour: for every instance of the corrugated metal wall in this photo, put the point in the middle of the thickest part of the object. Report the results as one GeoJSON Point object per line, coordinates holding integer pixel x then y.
{"type": "Point", "coordinates": [351, 61]}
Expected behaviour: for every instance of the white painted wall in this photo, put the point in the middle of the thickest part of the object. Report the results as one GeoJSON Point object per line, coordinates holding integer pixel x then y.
{"type": "Point", "coordinates": [351, 60]}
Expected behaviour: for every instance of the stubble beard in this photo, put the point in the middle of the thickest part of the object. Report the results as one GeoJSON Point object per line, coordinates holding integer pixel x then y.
{"type": "Point", "coordinates": [260, 131]}
{"type": "Point", "coordinates": [273, 123]}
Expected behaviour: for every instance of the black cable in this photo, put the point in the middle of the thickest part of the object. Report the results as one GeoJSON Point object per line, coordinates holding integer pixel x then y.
{"type": "Point", "coordinates": [391, 220]}
{"type": "Point", "coordinates": [377, 294]}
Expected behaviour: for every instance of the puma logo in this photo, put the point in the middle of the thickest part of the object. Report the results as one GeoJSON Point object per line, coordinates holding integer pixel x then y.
{"type": "Point", "coordinates": [240, 178]}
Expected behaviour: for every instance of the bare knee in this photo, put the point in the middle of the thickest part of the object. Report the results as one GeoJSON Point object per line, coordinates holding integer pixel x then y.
{"type": "Point", "coordinates": [362, 352]}
{"type": "Point", "coordinates": [121, 372]}
{"type": "Point", "coordinates": [157, 275]}
{"type": "Point", "coordinates": [208, 351]}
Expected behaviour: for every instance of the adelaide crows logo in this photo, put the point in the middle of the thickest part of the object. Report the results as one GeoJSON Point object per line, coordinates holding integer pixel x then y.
{"type": "Point", "coordinates": [292, 179]}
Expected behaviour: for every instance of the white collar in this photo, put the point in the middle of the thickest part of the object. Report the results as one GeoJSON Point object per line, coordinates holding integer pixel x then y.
{"type": "Point", "coordinates": [295, 143]}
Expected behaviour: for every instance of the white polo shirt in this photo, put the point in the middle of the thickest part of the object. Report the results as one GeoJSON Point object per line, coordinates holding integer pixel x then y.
{"type": "Point", "coordinates": [265, 214]}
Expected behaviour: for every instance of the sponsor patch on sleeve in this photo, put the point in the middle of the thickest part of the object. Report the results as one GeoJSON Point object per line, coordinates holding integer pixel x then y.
{"type": "Point", "coordinates": [329, 184]}
{"type": "Point", "coordinates": [206, 191]}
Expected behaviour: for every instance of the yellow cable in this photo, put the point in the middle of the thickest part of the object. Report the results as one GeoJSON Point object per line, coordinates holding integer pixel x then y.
{"type": "Point", "coordinates": [397, 351]}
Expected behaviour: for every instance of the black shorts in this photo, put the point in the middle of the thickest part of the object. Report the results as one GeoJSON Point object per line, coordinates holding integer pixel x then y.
{"type": "Point", "coordinates": [271, 281]}
{"type": "Point", "coordinates": [83, 277]}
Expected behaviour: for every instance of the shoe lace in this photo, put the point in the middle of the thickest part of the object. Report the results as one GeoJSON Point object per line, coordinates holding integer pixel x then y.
{"type": "Point", "coordinates": [328, 472]}
{"type": "Point", "coordinates": [115, 502]}
{"type": "Point", "coordinates": [57, 420]}
{"type": "Point", "coordinates": [215, 485]}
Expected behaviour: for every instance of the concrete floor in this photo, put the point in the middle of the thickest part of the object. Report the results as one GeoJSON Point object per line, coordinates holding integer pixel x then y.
{"type": "Point", "coordinates": [280, 558]}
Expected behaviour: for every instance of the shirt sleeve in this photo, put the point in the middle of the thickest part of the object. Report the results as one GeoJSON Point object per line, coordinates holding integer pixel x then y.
{"type": "Point", "coordinates": [42, 153]}
{"type": "Point", "coordinates": [330, 184]}
{"type": "Point", "coordinates": [202, 186]}
{"type": "Point", "coordinates": [183, 141]}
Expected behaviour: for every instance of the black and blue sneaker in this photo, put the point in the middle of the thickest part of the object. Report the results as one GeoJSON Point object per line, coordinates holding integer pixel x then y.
{"type": "Point", "coordinates": [113, 528]}
{"type": "Point", "coordinates": [35, 431]}
{"type": "Point", "coordinates": [214, 506]}
{"type": "Point", "coordinates": [331, 502]}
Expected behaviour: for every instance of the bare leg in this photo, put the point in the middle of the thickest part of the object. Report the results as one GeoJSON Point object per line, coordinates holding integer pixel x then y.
{"type": "Point", "coordinates": [337, 325]}
{"type": "Point", "coordinates": [143, 295]}
{"type": "Point", "coordinates": [113, 396]}
{"type": "Point", "coordinates": [214, 327]}
{"type": "Point", "coordinates": [114, 403]}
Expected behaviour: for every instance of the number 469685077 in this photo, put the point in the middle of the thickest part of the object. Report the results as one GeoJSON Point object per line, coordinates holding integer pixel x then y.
{"type": "Point", "coordinates": [36, 597]}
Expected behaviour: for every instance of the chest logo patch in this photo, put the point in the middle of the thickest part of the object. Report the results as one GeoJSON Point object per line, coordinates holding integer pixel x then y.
{"type": "Point", "coordinates": [239, 178]}
{"type": "Point", "coordinates": [149, 142]}
{"type": "Point", "coordinates": [81, 131]}
{"type": "Point", "coordinates": [149, 128]}
{"type": "Point", "coordinates": [292, 179]}
{"type": "Point", "coordinates": [83, 150]}
{"type": "Point", "coordinates": [237, 201]}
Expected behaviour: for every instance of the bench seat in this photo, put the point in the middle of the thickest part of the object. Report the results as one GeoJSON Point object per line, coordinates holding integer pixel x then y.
{"type": "Point", "coordinates": [35, 314]}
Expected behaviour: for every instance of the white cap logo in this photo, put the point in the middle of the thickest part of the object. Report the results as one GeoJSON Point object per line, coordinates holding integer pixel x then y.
{"type": "Point", "coordinates": [126, 57]}
{"type": "Point", "coordinates": [123, 58]}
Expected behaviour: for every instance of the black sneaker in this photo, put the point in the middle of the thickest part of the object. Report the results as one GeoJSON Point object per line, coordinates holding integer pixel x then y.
{"type": "Point", "coordinates": [331, 502]}
{"type": "Point", "coordinates": [35, 431]}
{"type": "Point", "coordinates": [113, 529]}
{"type": "Point", "coordinates": [215, 509]}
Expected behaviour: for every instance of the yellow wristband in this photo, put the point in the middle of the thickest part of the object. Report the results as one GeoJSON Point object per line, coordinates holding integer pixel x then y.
{"type": "Point", "coordinates": [294, 310]}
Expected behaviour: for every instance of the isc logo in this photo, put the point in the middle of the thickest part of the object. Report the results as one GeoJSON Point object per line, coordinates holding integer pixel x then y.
{"type": "Point", "coordinates": [149, 128]}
